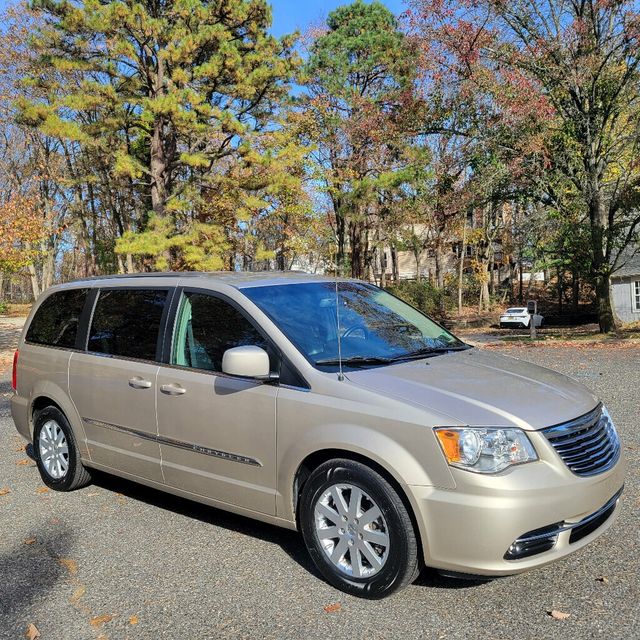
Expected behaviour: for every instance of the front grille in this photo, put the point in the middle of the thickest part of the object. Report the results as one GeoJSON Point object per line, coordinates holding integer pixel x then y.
{"type": "Point", "coordinates": [588, 445]}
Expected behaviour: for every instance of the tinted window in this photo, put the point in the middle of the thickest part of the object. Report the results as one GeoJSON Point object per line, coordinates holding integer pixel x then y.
{"type": "Point", "coordinates": [56, 320]}
{"type": "Point", "coordinates": [206, 327]}
{"type": "Point", "coordinates": [126, 323]}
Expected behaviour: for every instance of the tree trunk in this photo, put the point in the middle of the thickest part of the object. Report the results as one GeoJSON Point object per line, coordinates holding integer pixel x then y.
{"type": "Point", "coordinates": [394, 265]}
{"type": "Point", "coordinates": [439, 265]}
{"type": "Point", "coordinates": [601, 266]}
{"type": "Point", "coordinates": [560, 290]}
{"type": "Point", "coordinates": [463, 251]}
{"type": "Point", "coordinates": [575, 292]}
{"type": "Point", "coordinates": [33, 276]}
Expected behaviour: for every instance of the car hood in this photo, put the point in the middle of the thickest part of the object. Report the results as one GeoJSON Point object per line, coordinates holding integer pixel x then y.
{"type": "Point", "coordinates": [474, 387]}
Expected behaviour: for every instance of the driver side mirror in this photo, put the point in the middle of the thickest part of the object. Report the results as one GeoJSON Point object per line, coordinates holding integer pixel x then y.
{"type": "Point", "coordinates": [247, 362]}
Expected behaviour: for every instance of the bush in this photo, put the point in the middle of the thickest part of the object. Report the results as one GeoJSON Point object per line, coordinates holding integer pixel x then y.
{"type": "Point", "coordinates": [4, 308]}
{"type": "Point", "coordinates": [421, 295]}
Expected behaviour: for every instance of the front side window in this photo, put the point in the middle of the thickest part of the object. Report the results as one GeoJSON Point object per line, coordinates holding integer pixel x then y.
{"type": "Point", "coordinates": [206, 327]}
{"type": "Point", "coordinates": [636, 295]}
{"type": "Point", "coordinates": [126, 322]}
{"type": "Point", "coordinates": [374, 327]}
{"type": "Point", "coordinates": [55, 323]}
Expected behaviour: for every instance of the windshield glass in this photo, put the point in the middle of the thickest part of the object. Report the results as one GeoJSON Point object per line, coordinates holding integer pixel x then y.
{"type": "Point", "coordinates": [375, 327]}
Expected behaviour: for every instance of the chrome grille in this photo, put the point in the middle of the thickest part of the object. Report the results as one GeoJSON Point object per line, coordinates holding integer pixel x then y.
{"type": "Point", "coordinates": [588, 445]}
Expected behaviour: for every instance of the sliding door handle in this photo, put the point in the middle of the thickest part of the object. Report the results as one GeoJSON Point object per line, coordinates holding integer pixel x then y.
{"type": "Point", "coordinates": [139, 383]}
{"type": "Point", "coordinates": [172, 389]}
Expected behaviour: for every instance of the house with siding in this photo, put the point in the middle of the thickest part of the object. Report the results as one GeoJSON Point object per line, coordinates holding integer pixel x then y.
{"type": "Point", "coordinates": [625, 286]}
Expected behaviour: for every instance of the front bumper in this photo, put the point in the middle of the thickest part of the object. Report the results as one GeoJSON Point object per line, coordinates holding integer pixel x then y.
{"type": "Point", "coordinates": [513, 323]}
{"type": "Point", "coordinates": [471, 529]}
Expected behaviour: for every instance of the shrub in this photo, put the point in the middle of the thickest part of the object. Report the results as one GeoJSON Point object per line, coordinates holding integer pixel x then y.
{"type": "Point", "coordinates": [4, 308]}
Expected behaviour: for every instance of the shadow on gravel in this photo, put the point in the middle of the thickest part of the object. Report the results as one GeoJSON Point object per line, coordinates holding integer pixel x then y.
{"type": "Point", "coordinates": [432, 579]}
{"type": "Point", "coordinates": [29, 572]}
{"type": "Point", "coordinates": [290, 541]}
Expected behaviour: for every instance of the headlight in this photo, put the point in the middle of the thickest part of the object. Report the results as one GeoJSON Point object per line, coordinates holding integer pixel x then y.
{"type": "Point", "coordinates": [485, 449]}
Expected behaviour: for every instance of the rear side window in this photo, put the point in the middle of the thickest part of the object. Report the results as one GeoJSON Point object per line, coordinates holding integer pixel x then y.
{"type": "Point", "coordinates": [56, 321]}
{"type": "Point", "coordinates": [126, 322]}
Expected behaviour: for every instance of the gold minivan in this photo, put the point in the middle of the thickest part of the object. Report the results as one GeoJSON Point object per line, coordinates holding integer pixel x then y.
{"type": "Point", "coordinates": [323, 405]}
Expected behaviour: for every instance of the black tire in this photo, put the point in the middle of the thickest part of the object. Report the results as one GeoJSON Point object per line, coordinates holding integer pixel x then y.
{"type": "Point", "coordinates": [76, 475]}
{"type": "Point", "coordinates": [402, 564]}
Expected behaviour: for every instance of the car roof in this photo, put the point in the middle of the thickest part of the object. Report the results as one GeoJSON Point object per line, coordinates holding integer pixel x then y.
{"type": "Point", "coordinates": [237, 279]}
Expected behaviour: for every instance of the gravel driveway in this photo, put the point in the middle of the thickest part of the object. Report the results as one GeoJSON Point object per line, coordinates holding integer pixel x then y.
{"type": "Point", "coordinates": [116, 560]}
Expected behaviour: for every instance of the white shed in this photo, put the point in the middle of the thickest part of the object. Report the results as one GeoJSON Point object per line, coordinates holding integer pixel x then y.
{"type": "Point", "coordinates": [625, 287]}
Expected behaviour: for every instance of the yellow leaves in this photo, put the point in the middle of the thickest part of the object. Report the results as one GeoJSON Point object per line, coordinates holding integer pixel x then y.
{"type": "Point", "coordinates": [20, 228]}
{"type": "Point", "coordinates": [24, 462]}
{"type": "Point", "coordinates": [29, 541]}
{"type": "Point", "coordinates": [127, 166]}
{"type": "Point", "coordinates": [133, 620]}
{"type": "Point", "coordinates": [332, 608]}
{"type": "Point", "coordinates": [41, 490]}
{"type": "Point", "coordinates": [4, 491]}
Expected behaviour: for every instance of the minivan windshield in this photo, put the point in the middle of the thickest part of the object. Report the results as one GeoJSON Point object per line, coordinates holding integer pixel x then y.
{"type": "Point", "coordinates": [375, 328]}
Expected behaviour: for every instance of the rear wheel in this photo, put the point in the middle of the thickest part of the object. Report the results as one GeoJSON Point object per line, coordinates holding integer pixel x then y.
{"type": "Point", "coordinates": [56, 453]}
{"type": "Point", "coordinates": [357, 530]}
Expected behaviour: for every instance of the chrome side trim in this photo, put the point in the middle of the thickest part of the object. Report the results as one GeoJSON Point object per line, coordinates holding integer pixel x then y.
{"type": "Point", "coordinates": [171, 442]}
{"type": "Point", "coordinates": [573, 525]}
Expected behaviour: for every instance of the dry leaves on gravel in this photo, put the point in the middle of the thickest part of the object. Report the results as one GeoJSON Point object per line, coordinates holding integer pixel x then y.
{"type": "Point", "coordinates": [69, 564]}
{"type": "Point", "coordinates": [24, 462]}
{"type": "Point", "coordinates": [32, 632]}
{"type": "Point", "coordinates": [98, 621]}
{"type": "Point", "coordinates": [558, 615]}
{"type": "Point", "coordinates": [42, 490]}
{"type": "Point", "coordinates": [4, 491]}
{"type": "Point", "coordinates": [30, 541]}
{"type": "Point", "coordinates": [331, 608]}
{"type": "Point", "coordinates": [133, 620]}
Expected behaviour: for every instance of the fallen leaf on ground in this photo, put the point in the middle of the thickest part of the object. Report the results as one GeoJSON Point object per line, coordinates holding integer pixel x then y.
{"type": "Point", "coordinates": [558, 615]}
{"type": "Point", "coordinates": [77, 594]}
{"type": "Point", "coordinates": [603, 579]}
{"type": "Point", "coordinates": [21, 448]}
{"type": "Point", "coordinates": [24, 462]}
{"type": "Point", "coordinates": [133, 620]}
{"type": "Point", "coordinates": [55, 520]}
{"type": "Point", "coordinates": [70, 565]}
{"type": "Point", "coordinates": [32, 632]}
{"type": "Point", "coordinates": [98, 621]}
{"type": "Point", "coordinates": [91, 495]}
{"type": "Point", "coordinates": [42, 490]}
{"type": "Point", "coordinates": [330, 608]}
{"type": "Point", "coordinates": [30, 541]}
{"type": "Point", "coordinates": [4, 491]}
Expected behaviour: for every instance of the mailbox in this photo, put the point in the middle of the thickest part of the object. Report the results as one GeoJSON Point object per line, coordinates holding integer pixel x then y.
{"type": "Point", "coordinates": [532, 307]}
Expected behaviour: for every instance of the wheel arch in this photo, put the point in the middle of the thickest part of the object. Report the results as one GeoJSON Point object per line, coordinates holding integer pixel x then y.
{"type": "Point", "coordinates": [49, 394]}
{"type": "Point", "coordinates": [316, 458]}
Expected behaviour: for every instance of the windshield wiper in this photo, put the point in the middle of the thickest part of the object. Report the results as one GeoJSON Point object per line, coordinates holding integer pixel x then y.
{"type": "Point", "coordinates": [427, 352]}
{"type": "Point", "coordinates": [356, 360]}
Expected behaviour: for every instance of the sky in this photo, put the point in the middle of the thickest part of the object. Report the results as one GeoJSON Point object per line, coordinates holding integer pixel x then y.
{"type": "Point", "coordinates": [292, 15]}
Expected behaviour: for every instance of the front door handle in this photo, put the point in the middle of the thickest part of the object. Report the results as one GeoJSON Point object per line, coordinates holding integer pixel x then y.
{"type": "Point", "coordinates": [139, 383]}
{"type": "Point", "coordinates": [173, 389]}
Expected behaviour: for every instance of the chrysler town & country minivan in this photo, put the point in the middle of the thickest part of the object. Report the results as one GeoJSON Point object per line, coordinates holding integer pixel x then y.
{"type": "Point", "coordinates": [323, 405]}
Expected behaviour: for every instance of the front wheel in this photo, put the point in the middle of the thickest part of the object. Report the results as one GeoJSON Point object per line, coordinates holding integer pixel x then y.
{"type": "Point", "coordinates": [56, 452]}
{"type": "Point", "coordinates": [358, 530]}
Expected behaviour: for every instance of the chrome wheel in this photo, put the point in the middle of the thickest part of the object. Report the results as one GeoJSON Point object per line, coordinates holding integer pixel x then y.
{"type": "Point", "coordinates": [54, 449]}
{"type": "Point", "coordinates": [352, 530]}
